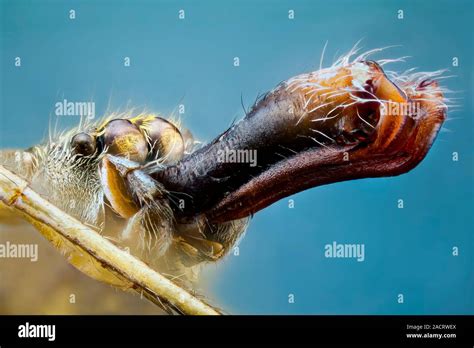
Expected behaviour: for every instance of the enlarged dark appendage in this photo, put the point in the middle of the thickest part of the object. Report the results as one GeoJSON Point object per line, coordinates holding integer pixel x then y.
{"type": "Point", "coordinates": [315, 129]}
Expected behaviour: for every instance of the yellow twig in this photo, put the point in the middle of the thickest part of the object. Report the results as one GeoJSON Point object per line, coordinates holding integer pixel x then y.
{"type": "Point", "coordinates": [50, 220]}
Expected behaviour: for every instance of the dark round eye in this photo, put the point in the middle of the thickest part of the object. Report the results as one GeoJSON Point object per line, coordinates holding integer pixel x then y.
{"type": "Point", "coordinates": [83, 144]}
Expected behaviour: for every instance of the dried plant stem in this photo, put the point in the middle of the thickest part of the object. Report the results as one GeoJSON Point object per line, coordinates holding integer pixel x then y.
{"type": "Point", "coordinates": [15, 193]}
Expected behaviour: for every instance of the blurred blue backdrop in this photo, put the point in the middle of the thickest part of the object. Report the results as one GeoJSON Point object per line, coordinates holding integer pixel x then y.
{"type": "Point", "coordinates": [407, 251]}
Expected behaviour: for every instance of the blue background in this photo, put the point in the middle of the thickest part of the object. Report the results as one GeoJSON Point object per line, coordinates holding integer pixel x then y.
{"type": "Point", "coordinates": [407, 251]}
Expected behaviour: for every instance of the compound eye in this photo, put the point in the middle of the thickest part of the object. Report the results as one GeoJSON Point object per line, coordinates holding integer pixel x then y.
{"type": "Point", "coordinates": [165, 138]}
{"type": "Point", "coordinates": [83, 144]}
{"type": "Point", "coordinates": [122, 138]}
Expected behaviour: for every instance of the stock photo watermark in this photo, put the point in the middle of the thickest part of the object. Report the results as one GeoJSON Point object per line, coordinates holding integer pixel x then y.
{"type": "Point", "coordinates": [28, 330]}
{"type": "Point", "coordinates": [237, 156]}
{"type": "Point", "coordinates": [70, 108]}
{"type": "Point", "coordinates": [345, 251]}
{"type": "Point", "coordinates": [19, 251]}
{"type": "Point", "coordinates": [393, 108]}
